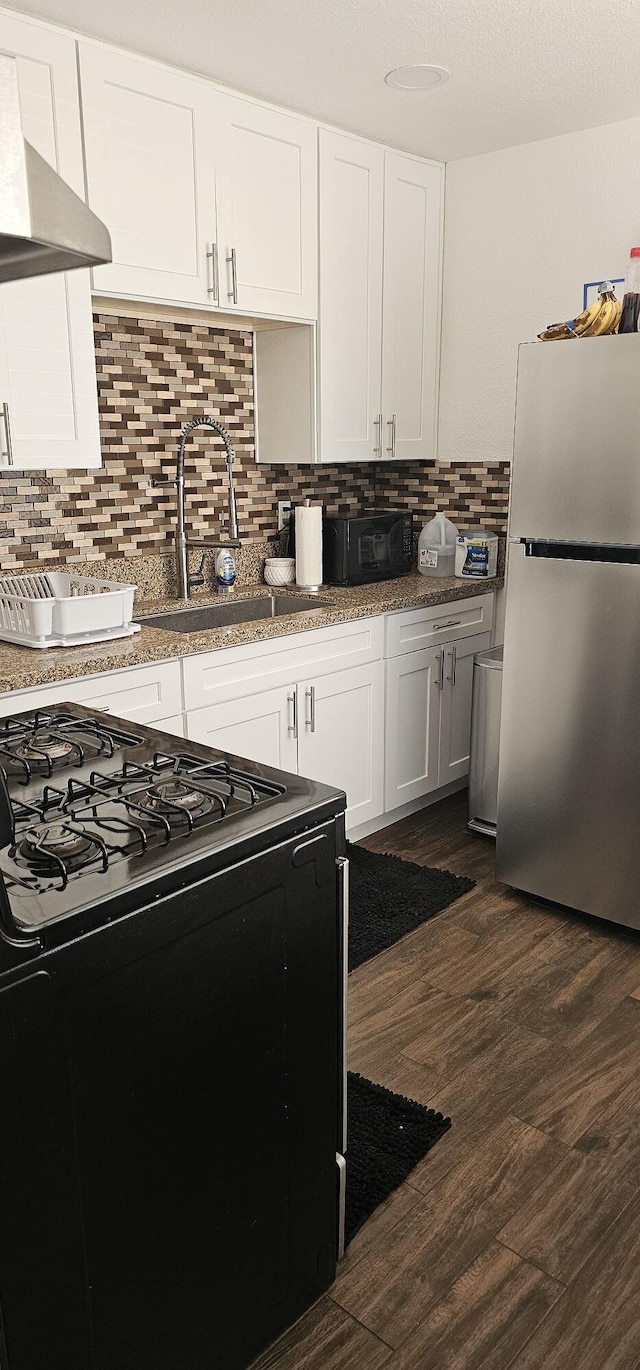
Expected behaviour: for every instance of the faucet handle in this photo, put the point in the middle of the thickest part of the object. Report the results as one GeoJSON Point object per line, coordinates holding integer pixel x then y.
{"type": "Point", "coordinates": [161, 480]}
{"type": "Point", "coordinates": [197, 577]}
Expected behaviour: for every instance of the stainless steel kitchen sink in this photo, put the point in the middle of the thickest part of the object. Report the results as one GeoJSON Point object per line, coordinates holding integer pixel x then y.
{"type": "Point", "coordinates": [228, 612]}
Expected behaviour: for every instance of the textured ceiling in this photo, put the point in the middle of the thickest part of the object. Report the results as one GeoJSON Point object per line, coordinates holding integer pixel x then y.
{"type": "Point", "coordinates": [520, 69]}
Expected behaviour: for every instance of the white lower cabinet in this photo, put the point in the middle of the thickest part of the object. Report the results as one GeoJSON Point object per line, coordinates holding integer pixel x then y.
{"type": "Point", "coordinates": [174, 725]}
{"type": "Point", "coordinates": [455, 712]}
{"type": "Point", "coordinates": [259, 726]}
{"type": "Point", "coordinates": [428, 718]}
{"type": "Point", "coordinates": [322, 703]}
{"type": "Point", "coordinates": [328, 728]}
{"type": "Point", "coordinates": [340, 732]}
{"type": "Point", "coordinates": [412, 726]}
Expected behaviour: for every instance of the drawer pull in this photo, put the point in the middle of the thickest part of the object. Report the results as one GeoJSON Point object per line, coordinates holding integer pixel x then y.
{"type": "Point", "coordinates": [450, 623]}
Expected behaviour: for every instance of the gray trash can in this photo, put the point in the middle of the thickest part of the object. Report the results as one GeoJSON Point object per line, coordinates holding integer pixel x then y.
{"type": "Point", "coordinates": [485, 739]}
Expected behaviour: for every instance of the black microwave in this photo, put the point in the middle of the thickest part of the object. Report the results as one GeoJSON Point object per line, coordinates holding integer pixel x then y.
{"type": "Point", "coordinates": [366, 547]}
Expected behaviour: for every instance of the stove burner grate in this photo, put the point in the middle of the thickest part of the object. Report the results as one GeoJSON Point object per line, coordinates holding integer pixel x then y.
{"type": "Point", "coordinates": [44, 741]}
{"type": "Point", "coordinates": [81, 825]}
{"type": "Point", "coordinates": [177, 799]}
{"type": "Point", "coordinates": [60, 847]}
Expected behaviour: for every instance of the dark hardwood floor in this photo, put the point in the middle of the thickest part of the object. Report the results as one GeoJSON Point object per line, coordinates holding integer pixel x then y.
{"type": "Point", "coordinates": [516, 1242]}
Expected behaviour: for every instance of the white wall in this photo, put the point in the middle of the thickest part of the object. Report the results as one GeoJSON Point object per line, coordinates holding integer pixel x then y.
{"type": "Point", "coordinates": [524, 228]}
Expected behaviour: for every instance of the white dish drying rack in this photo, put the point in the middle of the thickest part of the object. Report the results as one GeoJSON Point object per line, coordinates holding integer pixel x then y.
{"type": "Point", "coordinates": [60, 610]}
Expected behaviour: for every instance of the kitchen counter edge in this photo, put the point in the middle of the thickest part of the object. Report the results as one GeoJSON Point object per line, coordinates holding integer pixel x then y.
{"type": "Point", "coordinates": [23, 668]}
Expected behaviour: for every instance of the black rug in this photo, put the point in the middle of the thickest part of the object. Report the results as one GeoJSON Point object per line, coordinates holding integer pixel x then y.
{"type": "Point", "coordinates": [388, 1135]}
{"type": "Point", "coordinates": [389, 897]}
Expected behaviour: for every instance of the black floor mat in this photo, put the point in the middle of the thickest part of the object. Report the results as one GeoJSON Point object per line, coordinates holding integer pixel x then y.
{"type": "Point", "coordinates": [388, 1135]}
{"type": "Point", "coordinates": [389, 897]}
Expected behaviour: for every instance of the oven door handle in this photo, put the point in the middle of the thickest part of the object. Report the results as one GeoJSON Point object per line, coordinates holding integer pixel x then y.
{"type": "Point", "coordinates": [342, 865]}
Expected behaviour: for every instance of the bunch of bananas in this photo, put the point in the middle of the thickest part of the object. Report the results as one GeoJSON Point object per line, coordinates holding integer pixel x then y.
{"type": "Point", "coordinates": [603, 316]}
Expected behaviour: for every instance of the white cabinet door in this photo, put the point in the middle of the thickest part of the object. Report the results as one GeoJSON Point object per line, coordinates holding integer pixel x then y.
{"type": "Point", "coordinates": [260, 727]}
{"type": "Point", "coordinates": [350, 306]}
{"type": "Point", "coordinates": [413, 209]}
{"type": "Point", "coordinates": [47, 362]}
{"type": "Point", "coordinates": [149, 147]}
{"type": "Point", "coordinates": [455, 723]}
{"type": "Point", "coordinates": [171, 725]}
{"type": "Point", "coordinates": [266, 183]}
{"type": "Point", "coordinates": [414, 691]}
{"type": "Point", "coordinates": [340, 742]}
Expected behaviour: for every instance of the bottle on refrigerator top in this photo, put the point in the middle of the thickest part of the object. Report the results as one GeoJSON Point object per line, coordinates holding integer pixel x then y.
{"type": "Point", "coordinates": [630, 316]}
{"type": "Point", "coordinates": [437, 547]}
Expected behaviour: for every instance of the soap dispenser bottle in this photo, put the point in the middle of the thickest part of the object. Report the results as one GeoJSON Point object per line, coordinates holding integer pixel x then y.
{"type": "Point", "coordinates": [225, 571]}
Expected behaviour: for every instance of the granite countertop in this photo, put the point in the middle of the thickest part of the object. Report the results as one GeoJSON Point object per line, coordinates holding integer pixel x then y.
{"type": "Point", "coordinates": [22, 668]}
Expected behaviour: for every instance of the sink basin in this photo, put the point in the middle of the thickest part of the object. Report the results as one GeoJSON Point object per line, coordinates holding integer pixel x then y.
{"type": "Point", "coordinates": [230, 611]}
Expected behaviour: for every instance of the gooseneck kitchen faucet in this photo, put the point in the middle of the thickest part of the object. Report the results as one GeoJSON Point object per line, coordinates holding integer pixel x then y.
{"type": "Point", "coordinates": [186, 580]}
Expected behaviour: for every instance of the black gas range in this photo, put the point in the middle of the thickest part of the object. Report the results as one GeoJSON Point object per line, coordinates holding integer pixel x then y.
{"type": "Point", "coordinates": [172, 969]}
{"type": "Point", "coordinates": [92, 811]}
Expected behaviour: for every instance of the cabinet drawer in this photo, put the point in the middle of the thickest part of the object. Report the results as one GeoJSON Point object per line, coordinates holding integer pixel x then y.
{"type": "Point", "coordinates": [413, 629]}
{"type": "Point", "coordinates": [145, 694]}
{"type": "Point", "coordinates": [231, 672]}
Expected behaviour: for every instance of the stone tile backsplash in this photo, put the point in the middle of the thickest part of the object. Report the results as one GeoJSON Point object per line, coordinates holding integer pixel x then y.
{"type": "Point", "coordinates": [152, 378]}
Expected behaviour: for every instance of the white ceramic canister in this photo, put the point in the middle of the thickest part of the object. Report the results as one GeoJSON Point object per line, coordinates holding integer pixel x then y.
{"type": "Point", "coordinates": [280, 570]}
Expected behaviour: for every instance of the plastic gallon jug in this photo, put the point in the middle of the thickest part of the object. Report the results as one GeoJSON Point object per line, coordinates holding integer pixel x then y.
{"type": "Point", "coordinates": [437, 547]}
{"type": "Point", "coordinates": [477, 555]}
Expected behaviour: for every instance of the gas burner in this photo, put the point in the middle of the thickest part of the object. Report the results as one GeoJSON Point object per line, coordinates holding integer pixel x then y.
{"type": "Point", "coordinates": [44, 748]}
{"type": "Point", "coordinates": [175, 799]}
{"type": "Point", "coordinates": [45, 741]}
{"type": "Point", "coordinates": [53, 844]}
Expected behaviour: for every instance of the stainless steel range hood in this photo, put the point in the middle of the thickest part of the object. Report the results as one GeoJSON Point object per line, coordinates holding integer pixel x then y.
{"type": "Point", "coordinates": [44, 225]}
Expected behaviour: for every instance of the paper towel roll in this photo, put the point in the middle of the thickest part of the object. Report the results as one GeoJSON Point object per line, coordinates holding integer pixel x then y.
{"type": "Point", "coordinates": [309, 545]}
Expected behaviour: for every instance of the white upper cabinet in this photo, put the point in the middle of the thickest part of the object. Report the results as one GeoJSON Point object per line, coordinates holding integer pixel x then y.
{"type": "Point", "coordinates": [413, 209]}
{"type": "Point", "coordinates": [48, 398]}
{"type": "Point", "coordinates": [350, 322]}
{"type": "Point", "coordinates": [149, 140]}
{"type": "Point", "coordinates": [209, 199]}
{"type": "Point", "coordinates": [379, 306]}
{"type": "Point", "coordinates": [266, 184]}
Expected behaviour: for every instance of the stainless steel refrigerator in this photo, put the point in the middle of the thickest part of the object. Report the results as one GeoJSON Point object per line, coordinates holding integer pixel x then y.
{"type": "Point", "coordinates": [569, 782]}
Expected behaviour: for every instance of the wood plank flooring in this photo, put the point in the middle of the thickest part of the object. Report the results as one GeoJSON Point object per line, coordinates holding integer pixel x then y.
{"type": "Point", "coordinates": [516, 1242]}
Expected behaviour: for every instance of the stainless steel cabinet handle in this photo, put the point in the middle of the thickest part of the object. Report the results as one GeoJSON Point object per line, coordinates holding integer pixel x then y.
{"type": "Point", "coordinates": [452, 677]}
{"type": "Point", "coordinates": [310, 719]}
{"type": "Point", "coordinates": [214, 288]}
{"type": "Point", "coordinates": [293, 726]}
{"type": "Point", "coordinates": [391, 423]}
{"type": "Point", "coordinates": [8, 451]}
{"type": "Point", "coordinates": [377, 423]}
{"type": "Point", "coordinates": [450, 623]}
{"type": "Point", "coordinates": [440, 677]}
{"type": "Point", "coordinates": [233, 292]}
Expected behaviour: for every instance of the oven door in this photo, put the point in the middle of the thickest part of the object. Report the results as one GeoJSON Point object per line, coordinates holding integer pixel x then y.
{"type": "Point", "coordinates": [377, 549]}
{"type": "Point", "coordinates": [171, 1096]}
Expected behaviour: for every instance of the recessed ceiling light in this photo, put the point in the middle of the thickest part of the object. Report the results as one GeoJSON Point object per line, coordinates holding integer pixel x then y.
{"type": "Point", "coordinates": [421, 76]}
